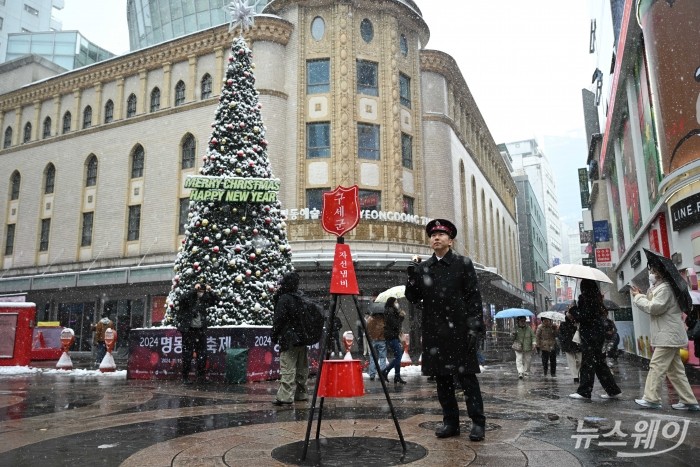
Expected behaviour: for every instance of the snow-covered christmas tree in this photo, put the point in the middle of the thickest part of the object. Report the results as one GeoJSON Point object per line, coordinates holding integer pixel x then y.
{"type": "Point", "coordinates": [235, 238]}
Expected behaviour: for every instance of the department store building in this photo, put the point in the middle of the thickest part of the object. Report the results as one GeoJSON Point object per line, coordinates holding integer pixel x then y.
{"type": "Point", "coordinates": [94, 160]}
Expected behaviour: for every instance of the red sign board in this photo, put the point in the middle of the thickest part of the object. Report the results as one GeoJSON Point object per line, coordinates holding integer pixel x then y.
{"type": "Point", "coordinates": [341, 210]}
{"type": "Point", "coordinates": [603, 257]}
{"type": "Point", "coordinates": [343, 279]}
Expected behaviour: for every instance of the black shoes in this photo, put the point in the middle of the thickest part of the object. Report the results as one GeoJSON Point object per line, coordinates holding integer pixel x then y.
{"type": "Point", "coordinates": [447, 431]}
{"type": "Point", "coordinates": [398, 380]}
{"type": "Point", "coordinates": [280, 403]}
{"type": "Point", "coordinates": [385, 374]}
{"type": "Point", "coordinates": [477, 433]}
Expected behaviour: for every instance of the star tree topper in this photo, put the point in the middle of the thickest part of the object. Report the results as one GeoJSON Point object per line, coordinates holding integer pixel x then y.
{"type": "Point", "coordinates": [242, 14]}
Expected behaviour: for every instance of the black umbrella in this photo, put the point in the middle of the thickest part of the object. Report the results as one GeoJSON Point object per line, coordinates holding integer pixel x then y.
{"type": "Point", "coordinates": [666, 267]}
{"type": "Point", "coordinates": [563, 306]}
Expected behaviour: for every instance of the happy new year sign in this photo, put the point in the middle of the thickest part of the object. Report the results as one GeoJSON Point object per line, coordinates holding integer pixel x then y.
{"type": "Point", "coordinates": [232, 189]}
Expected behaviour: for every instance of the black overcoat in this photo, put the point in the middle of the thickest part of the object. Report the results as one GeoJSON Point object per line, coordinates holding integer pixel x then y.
{"type": "Point", "coordinates": [190, 306]}
{"type": "Point", "coordinates": [452, 307]}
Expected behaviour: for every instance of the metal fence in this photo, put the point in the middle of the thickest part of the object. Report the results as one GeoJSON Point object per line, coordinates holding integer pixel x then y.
{"type": "Point", "coordinates": [497, 347]}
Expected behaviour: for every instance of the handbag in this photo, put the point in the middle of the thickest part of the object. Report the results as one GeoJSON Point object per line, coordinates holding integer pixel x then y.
{"type": "Point", "coordinates": [517, 346]}
{"type": "Point", "coordinates": [576, 338]}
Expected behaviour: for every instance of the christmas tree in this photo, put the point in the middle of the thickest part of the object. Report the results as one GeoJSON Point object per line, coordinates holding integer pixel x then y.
{"type": "Point", "coordinates": [235, 238]}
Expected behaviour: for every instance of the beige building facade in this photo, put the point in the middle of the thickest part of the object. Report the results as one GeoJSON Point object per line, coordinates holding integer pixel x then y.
{"type": "Point", "coordinates": [93, 160]}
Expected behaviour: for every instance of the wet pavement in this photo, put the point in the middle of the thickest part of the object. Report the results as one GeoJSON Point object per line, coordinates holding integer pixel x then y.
{"type": "Point", "coordinates": [89, 420]}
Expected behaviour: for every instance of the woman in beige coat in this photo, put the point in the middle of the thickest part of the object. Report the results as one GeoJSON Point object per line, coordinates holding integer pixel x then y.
{"type": "Point", "coordinates": [668, 335]}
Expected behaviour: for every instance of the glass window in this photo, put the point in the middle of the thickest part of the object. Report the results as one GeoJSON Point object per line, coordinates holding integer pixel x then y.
{"type": "Point", "coordinates": [134, 223]}
{"type": "Point", "coordinates": [27, 137]}
{"type": "Point", "coordinates": [155, 99]}
{"type": "Point", "coordinates": [10, 239]}
{"type": "Point", "coordinates": [49, 179]}
{"type": "Point", "coordinates": [408, 205]}
{"type": "Point", "coordinates": [403, 45]}
{"type": "Point", "coordinates": [206, 86]}
{"type": "Point", "coordinates": [406, 151]}
{"type": "Point", "coordinates": [45, 231]}
{"type": "Point", "coordinates": [137, 162]}
{"type": "Point", "coordinates": [87, 117]}
{"type": "Point", "coordinates": [366, 30]}
{"type": "Point", "coordinates": [370, 200]}
{"type": "Point", "coordinates": [47, 128]}
{"type": "Point", "coordinates": [314, 198]}
{"type": "Point", "coordinates": [318, 28]}
{"type": "Point", "coordinates": [368, 141]}
{"type": "Point", "coordinates": [179, 93]}
{"type": "Point", "coordinates": [8, 137]}
{"type": "Point", "coordinates": [86, 232]}
{"type": "Point", "coordinates": [131, 106]}
{"type": "Point", "coordinates": [367, 78]}
{"type": "Point", "coordinates": [318, 140]}
{"type": "Point", "coordinates": [318, 76]}
{"type": "Point", "coordinates": [405, 90]}
{"type": "Point", "coordinates": [91, 172]}
{"type": "Point", "coordinates": [66, 122]}
{"type": "Point", "coordinates": [109, 111]}
{"type": "Point", "coordinates": [15, 181]}
{"type": "Point", "coordinates": [188, 151]}
{"type": "Point", "coordinates": [184, 211]}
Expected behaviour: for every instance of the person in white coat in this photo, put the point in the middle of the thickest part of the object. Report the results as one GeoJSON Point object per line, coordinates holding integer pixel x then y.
{"type": "Point", "coordinates": [668, 335]}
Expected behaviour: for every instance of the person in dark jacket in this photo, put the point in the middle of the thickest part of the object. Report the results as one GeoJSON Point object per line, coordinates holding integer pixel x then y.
{"type": "Point", "coordinates": [587, 312]}
{"type": "Point", "coordinates": [294, 360]}
{"type": "Point", "coordinates": [392, 336]}
{"type": "Point", "coordinates": [452, 324]}
{"type": "Point", "coordinates": [193, 325]}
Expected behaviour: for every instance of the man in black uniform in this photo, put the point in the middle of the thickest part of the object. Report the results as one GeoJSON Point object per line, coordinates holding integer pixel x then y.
{"type": "Point", "coordinates": [452, 324]}
{"type": "Point", "coordinates": [193, 326]}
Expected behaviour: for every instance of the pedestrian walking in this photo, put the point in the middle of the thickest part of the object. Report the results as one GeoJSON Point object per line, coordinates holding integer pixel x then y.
{"type": "Point", "coordinates": [523, 345]}
{"type": "Point", "coordinates": [193, 325]}
{"type": "Point", "coordinates": [99, 340]}
{"type": "Point", "coordinates": [571, 349]}
{"type": "Point", "coordinates": [375, 329]}
{"type": "Point", "coordinates": [668, 336]}
{"type": "Point", "coordinates": [587, 312]}
{"type": "Point", "coordinates": [547, 344]}
{"type": "Point", "coordinates": [394, 317]}
{"type": "Point", "coordinates": [294, 360]}
{"type": "Point", "coordinates": [452, 323]}
{"type": "Point", "coordinates": [612, 339]}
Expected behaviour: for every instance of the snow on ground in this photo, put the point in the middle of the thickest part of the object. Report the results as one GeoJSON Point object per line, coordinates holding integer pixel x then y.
{"type": "Point", "coordinates": [26, 370]}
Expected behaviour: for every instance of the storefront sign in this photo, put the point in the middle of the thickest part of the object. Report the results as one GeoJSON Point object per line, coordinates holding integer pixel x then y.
{"type": "Point", "coordinates": [156, 353]}
{"type": "Point", "coordinates": [603, 257]}
{"type": "Point", "coordinates": [601, 231]}
{"type": "Point", "coordinates": [583, 188]}
{"type": "Point", "coordinates": [588, 262]}
{"type": "Point", "coordinates": [585, 236]}
{"type": "Point", "coordinates": [636, 259]}
{"type": "Point", "coordinates": [686, 212]}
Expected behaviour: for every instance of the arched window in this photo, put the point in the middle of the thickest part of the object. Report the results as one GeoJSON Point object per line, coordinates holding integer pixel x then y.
{"type": "Point", "coordinates": [155, 99]}
{"type": "Point", "coordinates": [8, 137]}
{"type": "Point", "coordinates": [66, 122]}
{"type": "Point", "coordinates": [206, 86]}
{"type": "Point", "coordinates": [47, 128]}
{"type": "Point", "coordinates": [27, 137]}
{"type": "Point", "coordinates": [180, 93]}
{"type": "Point", "coordinates": [91, 171]}
{"type": "Point", "coordinates": [188, 151]}
{"type": "Point", "coordinates": [109, 111]}
{"type": "Point", "coordinates": [15, 182]}
{"type": "Point", "coordinates": [49, 179]}
{"type": "Point", "coordinates": [131, 105]}
{"type": "Point", "coordinates": [87, 117]}
{"type": "Point", "coordinates": [137, 156]}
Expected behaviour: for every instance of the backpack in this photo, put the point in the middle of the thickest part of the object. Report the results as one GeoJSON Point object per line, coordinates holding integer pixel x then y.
{"type": "Point", "coordinates": [311, 320]}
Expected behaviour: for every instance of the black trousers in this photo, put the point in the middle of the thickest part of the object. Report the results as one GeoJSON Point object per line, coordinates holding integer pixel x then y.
{"type": "Point", "coordinates": [448, 400]}
{"type": "Point", "coordinates": [194, 340]}
{"type": "Point", "coordinates": [593, 364]}
{"type": "Point", "coordinates": [549, 358]}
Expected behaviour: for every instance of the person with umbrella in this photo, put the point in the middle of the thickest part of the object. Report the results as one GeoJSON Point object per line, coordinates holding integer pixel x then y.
{"type": "Point", "coordinates": [665, 300]}
{"type": "Point", "coordinates": [523, 345]}
{"type": "Point", "coordinates": [452, 323]}
{"type": "Point", "coordinates": [587, 312]}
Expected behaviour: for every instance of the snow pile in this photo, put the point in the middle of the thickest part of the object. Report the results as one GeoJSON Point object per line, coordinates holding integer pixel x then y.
{"type": "Point", "coordinates": [28, 370]}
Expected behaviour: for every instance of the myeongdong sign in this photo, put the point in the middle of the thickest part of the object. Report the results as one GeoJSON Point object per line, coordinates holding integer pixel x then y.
{"type": "Point", "coordinates": [232, 189]}
{"type": "Point", "coordinates": [386, 216]}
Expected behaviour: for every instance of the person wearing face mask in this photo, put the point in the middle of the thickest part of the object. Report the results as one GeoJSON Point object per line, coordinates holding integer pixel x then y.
{"type": "Point", "coordinates": [524, 339]}
{"type": "Point", "coordinates": [668, 335]}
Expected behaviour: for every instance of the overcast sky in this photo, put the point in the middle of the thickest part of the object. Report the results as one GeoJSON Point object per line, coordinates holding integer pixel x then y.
{"type": "Point", "coordinates": [525, 62]}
